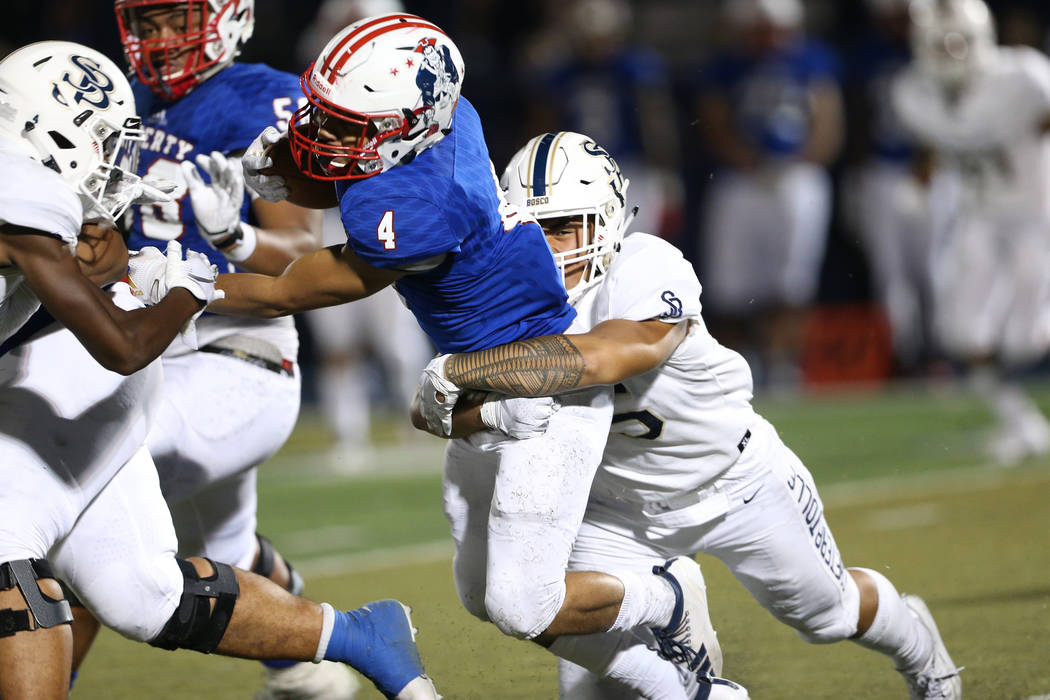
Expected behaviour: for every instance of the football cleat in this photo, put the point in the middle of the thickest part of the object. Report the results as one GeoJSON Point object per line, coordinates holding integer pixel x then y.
{"type": "Point", "coordinates": [939, 678]}
{"type": "Point", "coordinates": [689, 639]}
{"type": "Point", "coordinates": [308, 681]}
{"type": "Point", "coordinates": [715, 688]}
{"type": "Point", "coordinates": [380, 642]}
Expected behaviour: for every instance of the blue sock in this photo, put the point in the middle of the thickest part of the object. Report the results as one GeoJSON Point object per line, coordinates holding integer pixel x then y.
{"type": "Point", "coordinates": [376, 639]}
{"type": "Point", "coordinates": [276, 665]}
{"type": "Point", "coordinates": [72, 679]}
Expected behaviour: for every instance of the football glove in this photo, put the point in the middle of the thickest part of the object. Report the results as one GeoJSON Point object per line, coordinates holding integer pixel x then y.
{"type": "Point", "coordinates": [146, 270]}
{"type": "Point", "coordinates": [272, 188]}
{"type": "Point", "coordinates": [437, 397]}
{"type": "Point", "coordinates": [520, 418]}
{"type": "Point", "coordinates": [217, 206]}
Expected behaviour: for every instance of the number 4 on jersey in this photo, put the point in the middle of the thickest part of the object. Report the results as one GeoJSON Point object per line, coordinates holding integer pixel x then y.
{"type": "Point", "coordinates": [385, 232]}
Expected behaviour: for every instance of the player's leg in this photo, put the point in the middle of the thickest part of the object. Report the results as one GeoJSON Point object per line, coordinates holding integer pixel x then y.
{"type": "Point", "coordinates": [467, 486]}
{"type": "Point", "coordinates": [625, 658]}
{"type": "Point", "coordinates": [120, 561]}
{"type": "Point", "coordinates": [35, 640]}
{"type": "Point", "coordinates": [777, 543]}
{"type": "Point", "coordinates": [538, 503]}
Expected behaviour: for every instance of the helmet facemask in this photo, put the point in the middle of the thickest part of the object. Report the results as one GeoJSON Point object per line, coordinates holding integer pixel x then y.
{"type": "Point", "coordinates": [203, 37]}
{"type": "Point", "coordinates": [330, 143]}
{"type": "Point", "coordinates": [600, 230]}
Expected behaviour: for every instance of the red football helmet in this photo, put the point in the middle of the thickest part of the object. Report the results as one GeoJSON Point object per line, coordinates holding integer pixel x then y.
{"type": "Point", "coordinates": [383, 90]}
{"type": "Point", "coordinates": [175, 45]}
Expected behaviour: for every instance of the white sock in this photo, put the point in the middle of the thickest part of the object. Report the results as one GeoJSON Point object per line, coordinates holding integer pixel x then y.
{"type": "Point", "coordinates": [647, 600]}
{"type": "Point", "coordinates": [628, 668]}
{"type": "Point", "coordinates": [895, 632]}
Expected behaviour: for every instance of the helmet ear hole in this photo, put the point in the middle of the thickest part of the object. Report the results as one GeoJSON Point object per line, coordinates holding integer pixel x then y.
{"type": "Point", "coordinates": [60, 140]}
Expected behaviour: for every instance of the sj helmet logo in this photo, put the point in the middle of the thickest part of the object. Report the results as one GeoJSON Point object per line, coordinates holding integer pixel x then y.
{"type": "Point", "coordinates": [90, 85]}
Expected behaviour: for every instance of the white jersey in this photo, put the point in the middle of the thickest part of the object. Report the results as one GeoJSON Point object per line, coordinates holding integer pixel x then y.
{"type": "Point", "coordinates": [990, 133]}
{"type": "Point", "coordinates": [35, 197]}
{"type": "Point", "coordinates": [683, 424]}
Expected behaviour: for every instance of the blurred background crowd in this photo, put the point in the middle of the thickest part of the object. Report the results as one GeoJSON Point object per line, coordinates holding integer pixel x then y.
{"type": "Point", "coordinates": [732, 119]}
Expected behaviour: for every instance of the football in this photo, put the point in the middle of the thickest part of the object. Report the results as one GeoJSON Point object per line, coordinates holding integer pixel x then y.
{"type": "Point", "coordinates": [304, 191]}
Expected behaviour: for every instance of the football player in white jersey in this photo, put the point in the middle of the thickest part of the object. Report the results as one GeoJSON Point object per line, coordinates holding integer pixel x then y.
{"type": "Point", "coordinates": [991, 168]}
{"type": "Point", "coordinates": [206, 451]}
{"type": "Point", "coordinates": [689, 466]}
{"type": "Point", "coordinates": [80, 487]}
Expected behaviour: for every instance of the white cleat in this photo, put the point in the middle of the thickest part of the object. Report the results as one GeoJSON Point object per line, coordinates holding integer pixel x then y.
{"type": "Point", "coordinates": [689, 640]}
{"type": "Point", "coordinates": [421, 688]}
{"type": "Point", "coordinates": [309, 681]}
{"type": "Point", "coordinates": [715, 688]}
{"type": "Point", "coordinates": [939, 678]}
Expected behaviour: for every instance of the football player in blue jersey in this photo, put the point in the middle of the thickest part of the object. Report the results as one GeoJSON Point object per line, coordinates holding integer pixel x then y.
{"type": "Point", "coordinates": [770, 115]}
{"type": "Point", "coordinates": [200, 109]}
{"type": "Point", "coordinates": [386, 135]}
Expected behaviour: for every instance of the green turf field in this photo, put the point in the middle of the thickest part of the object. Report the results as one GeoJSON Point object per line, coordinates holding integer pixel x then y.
{"type": "Point", "coordinates": [906, 492]}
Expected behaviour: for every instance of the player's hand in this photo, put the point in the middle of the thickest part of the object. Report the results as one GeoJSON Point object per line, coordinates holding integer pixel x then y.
{"type": "Point", "coordinates": [257, 158]}
{"type": "Point", "coordinates": [146, 271]}
{"type": "Point", "coordinates": [437, 397]}
{"type": "Point", "coordinates": [195, 274]}
{"type": "Point", "coordinates": [519, 418]}
{"type": "Point", "coordinates": [217, 206]}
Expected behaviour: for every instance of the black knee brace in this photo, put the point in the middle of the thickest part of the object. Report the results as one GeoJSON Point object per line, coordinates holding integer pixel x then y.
{"type": "Point", "coordinates": [47, 612]}
{"type": "Point", "coordinates": [266, 560]}
{"type": "Point", "coordinates": [194, 625]}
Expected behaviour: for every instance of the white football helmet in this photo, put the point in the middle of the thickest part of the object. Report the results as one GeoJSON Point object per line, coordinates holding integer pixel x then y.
{"type": "Point", "coordinates": [387, 86]}
{"type": "Point", "coordinates": [952, 39]}
{"type": "Point", "coordinates": [568, 174]}
{"type": "Point", "coordinates": [71, 108]}
{"type": "Point", "coordinates": [209, 36]}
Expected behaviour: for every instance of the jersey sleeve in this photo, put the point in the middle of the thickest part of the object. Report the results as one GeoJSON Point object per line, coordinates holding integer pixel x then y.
{"type": "Point", "coordinates": [652, 280]}
{"type": "Point", "coordinates": [396, 232]}
{"type": "Point", "coordinates": [1036, 67]}
{"type": "Point", "coordinates": [35, 197]}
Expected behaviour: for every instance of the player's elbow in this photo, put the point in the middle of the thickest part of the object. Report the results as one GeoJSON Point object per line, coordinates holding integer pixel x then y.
{"type": "Point", "coordinates": [122, 362]}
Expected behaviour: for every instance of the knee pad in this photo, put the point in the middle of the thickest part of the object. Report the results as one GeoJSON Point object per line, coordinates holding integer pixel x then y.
{"type": "Point", "coordinates": [521, 606]}
{"type": "Point", "coordinates": [194, 625]}
{"type": "Point", "coordinates": [47, 612]}
{"type": "Point", "coordinates": [267, 559]}
{"type": "Point", "coordinates": [835, 622]}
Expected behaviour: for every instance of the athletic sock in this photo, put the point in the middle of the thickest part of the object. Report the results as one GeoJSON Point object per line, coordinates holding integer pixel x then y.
{"type": "Point", "coordinates": [647, 600]}
{"type": "Point", "coordinates": [624, 658]}
{"type": "Point", "coordinates": [895, 632]}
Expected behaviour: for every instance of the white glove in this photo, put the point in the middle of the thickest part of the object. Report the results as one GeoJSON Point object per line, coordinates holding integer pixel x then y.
{"type": "Point", "coordinates": [195, 274]}
{"type": "Point", "coordinates": [217, 207]}
{"type": "Point", "coordinates": [151, 191]}
{"type": "Point", "coordinates": [437, 396]}
{"type": "Point", "coordinates": [146, 271]}
{"type": "Point", "coordinates": [519, 418]}
{"type": "Point", "coordinates": [272, 188]}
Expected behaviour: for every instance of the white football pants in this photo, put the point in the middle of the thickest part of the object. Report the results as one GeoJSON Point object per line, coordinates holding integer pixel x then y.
{"type": "Point", "coordinates": [514, 507]}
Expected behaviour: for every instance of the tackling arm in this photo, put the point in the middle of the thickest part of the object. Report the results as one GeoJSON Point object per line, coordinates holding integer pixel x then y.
{"type": "Point", "coordinates": [327, 277]}
{"type": "Point", "coordinates": [121, 341]}
{"type": "Point", "coordinates": [611, 352]}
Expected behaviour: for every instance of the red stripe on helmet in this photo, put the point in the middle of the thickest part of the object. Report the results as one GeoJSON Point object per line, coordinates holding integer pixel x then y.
{"type": "Point", "coordinates": [334, 67]}
{"type": "Point", "coordinates": [367, 25]}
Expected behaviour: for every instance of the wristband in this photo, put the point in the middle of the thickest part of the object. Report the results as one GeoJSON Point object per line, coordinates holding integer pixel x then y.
{"type": "Point", "coordinates": [242, 245]}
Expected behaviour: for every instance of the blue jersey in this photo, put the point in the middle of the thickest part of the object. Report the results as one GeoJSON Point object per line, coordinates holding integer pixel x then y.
{"type": "Point", "coordinates": [769, 94]}
{"type": "Point", "coordinates": [873, 67]}
{"type": "Point", "coordinates": [498, 282]}
{"type": "Point", "coordinates": [602, 99]}
{"type": "Point", "coordinates": [223, 114]}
